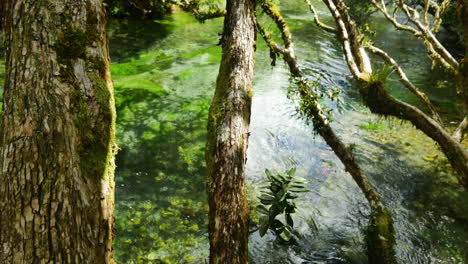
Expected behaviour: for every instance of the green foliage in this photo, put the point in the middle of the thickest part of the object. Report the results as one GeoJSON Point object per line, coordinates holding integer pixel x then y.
{"type": "Point", "coordinates": [155, 8]}
{"type": "Point", "coordinates": [140, 9]}
{"type": "Point", "coordinates": [277, 203]}
{"type": "Point", "coordinates": [360, 11]}
{"type": "Point", "coordinates": [381, 75]}
{"type": "Point", "coordinates": [310, 94]}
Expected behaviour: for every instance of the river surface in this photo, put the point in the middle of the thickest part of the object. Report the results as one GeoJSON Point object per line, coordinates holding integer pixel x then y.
{"type": "Point", "coordinates": [164, 73]}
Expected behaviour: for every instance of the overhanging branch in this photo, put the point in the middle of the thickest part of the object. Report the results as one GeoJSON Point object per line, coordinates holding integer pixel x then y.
{"type": "Point", "coordinates": [405, 81]}
{"type": "Point", "coordinates": [317, 19]}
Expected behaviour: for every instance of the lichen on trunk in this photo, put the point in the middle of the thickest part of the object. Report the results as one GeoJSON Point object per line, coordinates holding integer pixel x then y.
{"type": "Point", "coordinates": [57, 141]}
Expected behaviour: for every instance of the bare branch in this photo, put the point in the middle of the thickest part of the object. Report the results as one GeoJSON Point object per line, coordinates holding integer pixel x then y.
{"type": "Point", "coordinates": [426, 11]}
{"type": "Point", "coordinates": [423, 30]}
{"type": "Point", "coordinates": [381, 102]}
{"type": "Point", "coordinates": [317, 20]}
{"type": "Point", "coordinates": [461, 130]}
{"type": "Point", "coordinates": [392, 18]}
{"type": "Point", "coordinates": [346, 40]}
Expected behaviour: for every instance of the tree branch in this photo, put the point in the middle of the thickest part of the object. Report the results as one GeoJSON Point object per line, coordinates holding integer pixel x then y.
{"type": "Point", "coordinates": [461, 130]}
{"type": "Point", "coordinates": [381, 102]}
{"type": "Point", "coordinates": [435, 49]}
{"type": "Point", "coordinates": [406, 82]}
{"type": "Point", "coordinates": [381, 237]}
{"type": "Point", "coordinates": [317, 19]}
{"type": "Point", "coordinates": [193, 7]}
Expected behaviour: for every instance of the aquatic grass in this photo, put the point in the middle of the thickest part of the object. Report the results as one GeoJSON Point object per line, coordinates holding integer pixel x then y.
{"type": "Point", "coordinates": [373, 126]}
{"type": "Point", "coordinates": [214, 54]}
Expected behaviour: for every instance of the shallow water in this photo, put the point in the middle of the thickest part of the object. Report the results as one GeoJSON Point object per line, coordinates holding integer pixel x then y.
{"type": "Point", "coordinates": [164, 74]}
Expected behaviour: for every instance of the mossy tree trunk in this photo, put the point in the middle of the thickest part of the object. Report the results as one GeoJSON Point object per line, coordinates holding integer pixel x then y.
{"type": "Point", "coordinates": [57, 135]}
{"type": "Point", "coordinates": [228, 132]}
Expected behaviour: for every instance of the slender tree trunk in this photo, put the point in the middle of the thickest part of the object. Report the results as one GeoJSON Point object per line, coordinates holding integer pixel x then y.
{"type": "Point", "coordinates": [57, 135]}
{"type": "Point", "coordinates": [228, 132]}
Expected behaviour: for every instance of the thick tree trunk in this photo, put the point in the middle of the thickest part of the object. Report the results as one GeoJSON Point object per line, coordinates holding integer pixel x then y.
{"type": "Point", "coordinates": [228, 132]}
{"type": "Point", "coordinates": [57, 135]}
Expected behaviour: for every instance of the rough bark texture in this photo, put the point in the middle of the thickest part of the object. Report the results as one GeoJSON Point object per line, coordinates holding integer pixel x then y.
{"type": "Point", "coordinates": [380, 232]}
{"type": "Point", "coordinates": [228, 131]}
{"type": "Point", "coordinates": [57, 135]}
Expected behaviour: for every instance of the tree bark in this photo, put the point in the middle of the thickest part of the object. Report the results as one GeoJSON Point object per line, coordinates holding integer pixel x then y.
{"type": "Point", "coordinates": [228, 131]}
{"type": "Point", "coordinates": [57, 141]}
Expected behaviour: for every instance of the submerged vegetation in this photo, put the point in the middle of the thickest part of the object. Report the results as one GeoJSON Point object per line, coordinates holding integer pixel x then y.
{"type": "Point", "coordinates": [161, 208]}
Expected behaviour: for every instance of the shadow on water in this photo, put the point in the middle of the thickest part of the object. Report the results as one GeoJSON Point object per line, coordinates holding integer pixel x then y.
{"type": "Point", "coordinates": [161, 211]}
{"type": "Point", "coordinates": [130, 37]}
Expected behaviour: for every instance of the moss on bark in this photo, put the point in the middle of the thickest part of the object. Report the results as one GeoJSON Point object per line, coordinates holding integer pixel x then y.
{"type": "Point", "coordinates": [380, 237]}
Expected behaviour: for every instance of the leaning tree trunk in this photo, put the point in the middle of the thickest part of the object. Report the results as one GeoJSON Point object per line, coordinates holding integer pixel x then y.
{"type": "Point", "coordinates": [380, 238]}
{"type": "Point", "coordinates": [228, 132]}
{"type": "Point", "coordinates": [57, 135]}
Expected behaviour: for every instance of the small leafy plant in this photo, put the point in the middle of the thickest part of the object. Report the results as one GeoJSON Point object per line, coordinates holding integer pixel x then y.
{"type": "Point", "coordinates": [277, 203]}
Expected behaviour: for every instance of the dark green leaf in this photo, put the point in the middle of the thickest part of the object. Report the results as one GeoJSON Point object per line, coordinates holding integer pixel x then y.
{"type": "Point", "coordinates": [268, 174]}
{"type": "Point", "coordinates": [289, 220]}
{"type": "Point", "coordinates": [267, 202]}
{"type": "Point", "coordinates": [277, 178]}
{"type": "Point", "coordinates": [263, 230]}
{"type": "Point", "coordinates": [266, 197]}
{"type": "Point", "coordinates": [262, 209]}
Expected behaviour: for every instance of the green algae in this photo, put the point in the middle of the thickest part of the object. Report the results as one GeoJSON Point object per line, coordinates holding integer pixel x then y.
{"type": "Point", "coordinates": [373, 125]}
